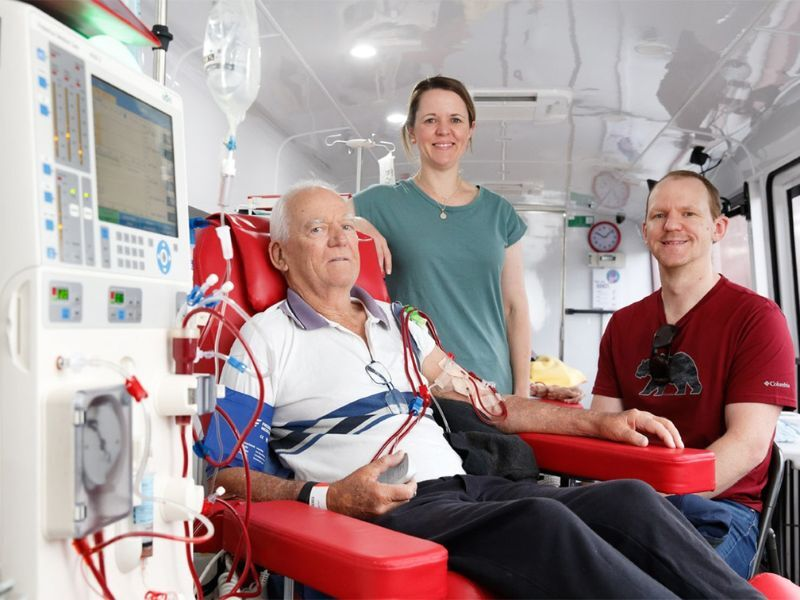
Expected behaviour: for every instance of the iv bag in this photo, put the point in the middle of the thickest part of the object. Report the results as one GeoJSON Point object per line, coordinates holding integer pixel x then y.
{"type": "Point", "coordinates": [232, 57]}
{"type": "Point", "coordinates": [386, 169]}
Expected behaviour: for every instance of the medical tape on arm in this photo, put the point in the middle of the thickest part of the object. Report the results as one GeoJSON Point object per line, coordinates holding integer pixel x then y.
{"type": "Point", "coordinates": [482, 395]}
{"type": "Point", "coordinates": [452, 377]}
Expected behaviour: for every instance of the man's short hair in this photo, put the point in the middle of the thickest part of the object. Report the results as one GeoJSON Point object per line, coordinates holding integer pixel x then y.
{"type": "Point", "coordinates": [714, 202]}
{"type": "Point", "coordinates": [278, 218]}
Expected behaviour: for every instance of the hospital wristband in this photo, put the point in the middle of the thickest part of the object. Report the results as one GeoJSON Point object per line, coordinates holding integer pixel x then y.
{"type": "Point", "coordinates": [319, 496]}
{"type": "Point", "coordinates": [305, 491]}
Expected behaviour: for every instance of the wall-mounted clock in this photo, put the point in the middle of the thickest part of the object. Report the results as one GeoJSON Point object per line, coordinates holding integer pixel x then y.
{"type": "Point", "coordinates": [609, 190]}
{"type": "Point", "coordinates": [604, 236]}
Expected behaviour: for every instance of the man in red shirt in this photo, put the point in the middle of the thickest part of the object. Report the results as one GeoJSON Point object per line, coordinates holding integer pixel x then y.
{"type": "Point", "coordinates": [712, 356]}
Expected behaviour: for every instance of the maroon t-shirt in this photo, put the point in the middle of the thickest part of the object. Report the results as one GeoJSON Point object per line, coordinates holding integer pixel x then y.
{"type": "Point", "coordinates": [732, 346]}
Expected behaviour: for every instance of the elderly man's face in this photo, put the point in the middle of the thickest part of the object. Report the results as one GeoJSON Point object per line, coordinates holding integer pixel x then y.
{"type": "Point", "coordinates": [679, 228]}
{"type": "Point", "coordinates": [321, 251]}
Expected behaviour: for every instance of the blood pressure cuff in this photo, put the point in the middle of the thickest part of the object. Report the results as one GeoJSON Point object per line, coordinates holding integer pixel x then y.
{"type": "Point", "coordinates": [483, 449]}
{"type": "Point", "coordinates": [220, 440]}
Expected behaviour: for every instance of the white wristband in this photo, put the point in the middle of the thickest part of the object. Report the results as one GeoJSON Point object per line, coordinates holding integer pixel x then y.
{"type": "Point", "coordinates": [319, 496]}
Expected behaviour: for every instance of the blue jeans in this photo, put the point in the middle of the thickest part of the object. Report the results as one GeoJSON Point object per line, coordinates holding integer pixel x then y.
{"type": "Point", "coordinates": [738, 549]}
{"type": "Point", "coordinates": [731, 528]}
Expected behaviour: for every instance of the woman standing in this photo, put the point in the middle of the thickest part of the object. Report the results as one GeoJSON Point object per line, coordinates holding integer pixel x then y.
{"type": "Point", "coordinates": [455, 246]}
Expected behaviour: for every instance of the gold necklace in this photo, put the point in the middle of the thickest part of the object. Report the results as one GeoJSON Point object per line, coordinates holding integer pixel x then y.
{"type": "Point", "coordinates": [445, 199]}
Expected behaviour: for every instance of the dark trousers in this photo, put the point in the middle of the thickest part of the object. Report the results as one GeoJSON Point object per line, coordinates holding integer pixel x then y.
{"type": "Point", "coordinates": [618, 539]}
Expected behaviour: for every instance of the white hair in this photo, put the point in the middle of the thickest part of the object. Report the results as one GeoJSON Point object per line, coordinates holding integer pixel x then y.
{"type": "Point", "coordinates": [278, 219]}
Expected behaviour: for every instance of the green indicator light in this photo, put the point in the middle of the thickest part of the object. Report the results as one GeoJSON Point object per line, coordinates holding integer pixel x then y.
{"type": "Point", "coordinates": [119, 298]}
{"type": "Point", "coordinates": [62, 294]}
{"type": "Point", "coordinates": [72, 191]}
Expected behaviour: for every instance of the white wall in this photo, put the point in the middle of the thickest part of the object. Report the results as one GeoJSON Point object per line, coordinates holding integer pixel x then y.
{"type": "Point", "coordinates": [582, 332]}
{"type": "Point", "coordinates": [542, 255]}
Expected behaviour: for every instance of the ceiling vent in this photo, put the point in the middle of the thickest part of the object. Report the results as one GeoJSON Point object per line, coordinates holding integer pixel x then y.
{"type": "Point", "coordinates": [538, 106]}
{"type": "Point", "coordinates": [514, 189]}
{"type": "Point", "coordinates": [525, 191]}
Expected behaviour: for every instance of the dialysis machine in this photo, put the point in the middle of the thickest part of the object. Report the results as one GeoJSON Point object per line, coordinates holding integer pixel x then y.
{"type": "Point", "coordinates": [95, 259]}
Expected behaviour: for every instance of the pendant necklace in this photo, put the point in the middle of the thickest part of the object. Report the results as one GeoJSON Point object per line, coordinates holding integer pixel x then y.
{"type": "Point", "coordinates": [445, 199]}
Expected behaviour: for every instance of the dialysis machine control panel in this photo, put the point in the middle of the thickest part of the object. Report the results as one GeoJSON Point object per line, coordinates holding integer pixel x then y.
{"type": "Point", "coordinates": [106, 178]}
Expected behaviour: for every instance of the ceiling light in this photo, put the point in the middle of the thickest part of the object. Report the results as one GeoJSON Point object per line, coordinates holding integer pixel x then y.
{"type": "Point", "coordinates": [363, 51]}
{"type": "Point", "coordinates": [396, 118]}
{"type": "Point", "coordinates": [654, 49]}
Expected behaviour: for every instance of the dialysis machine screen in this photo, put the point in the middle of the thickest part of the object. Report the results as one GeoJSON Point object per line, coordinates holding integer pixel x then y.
{"type": "Point", "coordinates": [135, 161]}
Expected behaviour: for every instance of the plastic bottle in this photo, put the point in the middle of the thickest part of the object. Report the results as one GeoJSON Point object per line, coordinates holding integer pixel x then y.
{"type": "Point", "coordinates": [232, 57]}
{"type": "Point", "coordinates": [143, 514]}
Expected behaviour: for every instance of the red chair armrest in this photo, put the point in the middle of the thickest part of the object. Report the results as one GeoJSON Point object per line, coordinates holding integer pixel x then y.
{"type": "Point", "coordinates": [339, 555]}
{"type": "Point", "coordinates": [461, 588]}
{"type": "Point", "coordinates": [667, 470]}
{"type": "Point", "coordinates": [775, 587]}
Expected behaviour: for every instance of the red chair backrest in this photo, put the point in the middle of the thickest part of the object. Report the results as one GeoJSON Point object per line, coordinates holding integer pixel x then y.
{"type": "Point", "coordinates": [257, 283]}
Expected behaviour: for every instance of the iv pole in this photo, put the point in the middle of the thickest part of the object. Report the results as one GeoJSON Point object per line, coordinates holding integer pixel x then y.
{"type": "Point", "coordinates": [161, 31]}
{"type": "Point", "coordinates": [359, 144]}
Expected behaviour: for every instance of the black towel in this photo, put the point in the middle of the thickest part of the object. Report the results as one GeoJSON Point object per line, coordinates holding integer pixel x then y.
{"type": "Point", "coordinates": [483, 449]}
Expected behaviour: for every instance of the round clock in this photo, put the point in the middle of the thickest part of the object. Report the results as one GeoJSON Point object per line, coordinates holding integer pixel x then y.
{"type": "Point", "coordinates": [604, 236]}
{"type": "Point", "coordinates": [609, 190]}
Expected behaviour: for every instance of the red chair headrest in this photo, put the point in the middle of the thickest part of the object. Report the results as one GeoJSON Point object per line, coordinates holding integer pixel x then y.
{"type": "Point", "coordinates": [257, 283]}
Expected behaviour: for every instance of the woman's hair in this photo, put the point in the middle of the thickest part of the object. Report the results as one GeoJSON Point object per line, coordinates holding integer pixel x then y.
{"type": "Point", "coordinates": [437, 82]}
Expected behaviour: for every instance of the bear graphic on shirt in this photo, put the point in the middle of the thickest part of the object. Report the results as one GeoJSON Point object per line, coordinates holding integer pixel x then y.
{"type": "Point", "coordinates": [683, 377]}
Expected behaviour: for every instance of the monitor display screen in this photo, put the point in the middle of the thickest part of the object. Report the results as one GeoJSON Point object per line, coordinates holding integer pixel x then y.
{"type": "Point", "coordinates": [135, 161]}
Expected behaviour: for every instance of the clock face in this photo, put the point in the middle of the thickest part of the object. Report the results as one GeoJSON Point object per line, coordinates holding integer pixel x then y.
{"type": "Point", "coordinates": [604, 237]}
{"type": "Point", "coordinates": [609, 190]}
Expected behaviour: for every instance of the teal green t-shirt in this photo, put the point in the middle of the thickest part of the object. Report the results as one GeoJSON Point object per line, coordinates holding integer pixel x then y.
{"type": "Point", "coordinates": [450, 268]}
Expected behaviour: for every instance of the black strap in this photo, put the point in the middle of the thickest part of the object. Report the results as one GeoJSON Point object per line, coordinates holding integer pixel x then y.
{"type": "Point", "coordinates": [305, 492]}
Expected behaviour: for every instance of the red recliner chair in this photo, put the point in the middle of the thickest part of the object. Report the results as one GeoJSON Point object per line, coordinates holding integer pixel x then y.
{"type": "Point", "coordinates": [342, 556]}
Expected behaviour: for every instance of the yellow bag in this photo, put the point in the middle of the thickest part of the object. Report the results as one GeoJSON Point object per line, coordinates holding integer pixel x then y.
{"type": "Point", "coordinates": [551, 371]}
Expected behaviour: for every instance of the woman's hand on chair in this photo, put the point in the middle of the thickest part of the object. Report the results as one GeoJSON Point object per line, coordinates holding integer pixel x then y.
{"type": "Point", "coordinates": [571, 395]}
{"type": "Point", "coordinates": [381, 246]}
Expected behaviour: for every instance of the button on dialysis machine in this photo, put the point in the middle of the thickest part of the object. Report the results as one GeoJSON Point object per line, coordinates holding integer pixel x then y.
{"type": "Point", "coordinates": [95, 255]}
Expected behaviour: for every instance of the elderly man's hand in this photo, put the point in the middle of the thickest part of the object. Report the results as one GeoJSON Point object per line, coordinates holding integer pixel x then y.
{"type": "Point", "coordinates": [381, 245]}
{"type": "Point", "coordinates": [571, 395]}
{"type": "Point", "coordinates": [630, 425]}
{"type": "Point", "coordinates": [360, 494]}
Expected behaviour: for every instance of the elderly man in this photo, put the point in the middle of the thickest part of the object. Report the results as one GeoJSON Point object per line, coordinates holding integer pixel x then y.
{"type": "Point", "coordinates": [712, 356]}
{"type": "Point", "coordinates": [333, 365]}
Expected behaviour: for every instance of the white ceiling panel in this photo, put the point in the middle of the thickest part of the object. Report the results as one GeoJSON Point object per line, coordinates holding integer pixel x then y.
{"type": "Point", "coordinates": [649, 78]}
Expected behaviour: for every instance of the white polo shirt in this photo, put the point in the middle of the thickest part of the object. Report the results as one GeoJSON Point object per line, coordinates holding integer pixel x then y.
{"type": "Point", "coordinates": [330, 417]}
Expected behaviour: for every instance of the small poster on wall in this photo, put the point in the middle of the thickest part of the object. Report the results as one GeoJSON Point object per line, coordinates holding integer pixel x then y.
{"type": "Point", "coordinates": [605, 288]}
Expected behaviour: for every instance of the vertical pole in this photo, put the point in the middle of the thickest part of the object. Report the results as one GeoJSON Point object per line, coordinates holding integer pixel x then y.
{"type": "Point", "coordinates": [563, 287]}
{"type": "Point", "coordinates": [288, 588]}
{"type": "Point", "coordinates": [358, 168]}
{"type": "Point", "coordinates": [160, 56]}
